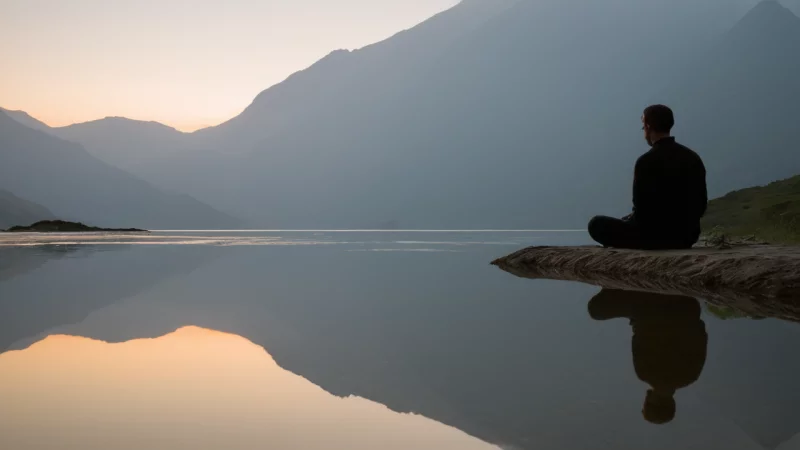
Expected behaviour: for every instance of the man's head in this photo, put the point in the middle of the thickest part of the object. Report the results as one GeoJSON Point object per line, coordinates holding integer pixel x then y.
{"type": "Point", "coordinates": [657, 123]}
{"type": "Point", "coordinates": [659, 407]}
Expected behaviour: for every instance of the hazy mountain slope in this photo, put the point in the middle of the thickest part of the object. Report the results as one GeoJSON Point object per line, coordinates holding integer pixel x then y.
{"type": "Point", "coordinates": [47, 286]}
{"type": "Point", "coordinates": [125, 143]}
{"type": "Point", "coordinates": [138, 147]}
{"type": "Point", "coordinates": [27, 120]}
{"type": "Point", "coordinates": [76, 186]}
{"type": "Point", "coordinates": [334, 86]}
{"type": "Point", "coordinates": [18, 211]}
{"type": "Point", "coordinates": [534, 110]}
{"type": "Point", "coordinates": [794, 5]}
{"type": "Point", "coordinates": [738, 104]}
{"type": "Point", "coordinates": [512, 114]}
{"type": "Point", "coordinates": [343, 73]}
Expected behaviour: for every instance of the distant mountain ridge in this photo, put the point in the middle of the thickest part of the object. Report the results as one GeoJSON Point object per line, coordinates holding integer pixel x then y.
{"type": "Point", "coordinates": [737, 104]}
{"type": "Point", "coordinates": [341, 72]}
{"type": "Point", "coordinates": [126, 143]}
{"type": "Point", "coordinates": [794, 5]}
{"type": "Point", "coordinates": [481, 135]}
{"type": "Point", "coordinates": [26, 119]}
{"type": "Point", "coordinates": [490, 115]}
{"type": "Point", "coordinates": [77, 186]}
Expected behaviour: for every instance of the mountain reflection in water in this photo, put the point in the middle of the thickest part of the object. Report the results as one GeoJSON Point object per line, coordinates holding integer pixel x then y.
{"type": "Point", "coordinates": [516, 363]}
{"type": "Point", "coordinates": [191, 389]}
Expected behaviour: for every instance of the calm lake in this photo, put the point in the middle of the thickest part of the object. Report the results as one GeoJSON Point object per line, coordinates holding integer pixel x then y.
{"type": "Point", "coordinates": [368, 340]}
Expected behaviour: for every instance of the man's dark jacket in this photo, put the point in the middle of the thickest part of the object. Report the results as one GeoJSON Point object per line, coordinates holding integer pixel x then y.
{"type": "Point", "coordinates": [669, 190]}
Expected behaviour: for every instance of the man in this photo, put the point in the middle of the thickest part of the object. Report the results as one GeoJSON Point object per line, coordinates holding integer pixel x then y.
{"type": "Point", "coordinates": [669, 193]}
{"type": "Point", "coordinates": [669, 343]}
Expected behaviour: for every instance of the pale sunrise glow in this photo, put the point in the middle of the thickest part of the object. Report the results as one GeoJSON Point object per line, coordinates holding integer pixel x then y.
{"type": "Point", "coordinates": [188, 64]}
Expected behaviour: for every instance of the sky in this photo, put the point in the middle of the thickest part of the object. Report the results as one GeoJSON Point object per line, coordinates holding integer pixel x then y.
{"type": "Point", "coordinates": [185, 63]}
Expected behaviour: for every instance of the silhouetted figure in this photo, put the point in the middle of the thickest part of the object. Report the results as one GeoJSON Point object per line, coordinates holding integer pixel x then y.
{"type": "Point", "coordinates": [669, 193]}
{"type": "Point", "coordinates": [669, 343]}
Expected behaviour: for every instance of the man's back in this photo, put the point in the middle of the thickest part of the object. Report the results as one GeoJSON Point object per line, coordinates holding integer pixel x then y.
{"type": "Point", "coordinates": [669, 193]}
{"type": "Point", "coordinates": [669, 189]}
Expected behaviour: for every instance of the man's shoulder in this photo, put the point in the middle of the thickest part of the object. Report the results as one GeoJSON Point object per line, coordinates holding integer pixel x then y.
{"type": "Point", "coordinates": [677, 144]}
{"type": "Point", "coordinates": [647, 157]}
{"type": "Point", "coordinates": [673, 144]}
{"type": "Point", "coordinates": [644, 160]}
{"type": "Point", "coordinates": [688, 152]}
{"type": "Point", "coordinates": [674, 148]}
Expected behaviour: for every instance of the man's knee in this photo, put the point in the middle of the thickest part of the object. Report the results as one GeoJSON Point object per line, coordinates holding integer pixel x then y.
{"type": "Point", "coordinates": [612, 232]}
{"type": "Point", "coordinates": [596, 227]}
{"type": "Point", "coordinates": [608, 304]}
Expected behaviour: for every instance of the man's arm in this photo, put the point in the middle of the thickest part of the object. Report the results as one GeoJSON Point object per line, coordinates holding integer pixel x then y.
{"type": "Point", "coordinates": [643, 187]}
{"type": "Point", "coordinates": [703, 189]}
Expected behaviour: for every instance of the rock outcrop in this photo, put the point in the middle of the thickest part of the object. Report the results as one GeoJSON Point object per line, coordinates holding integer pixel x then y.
{"type": "Point", "coordinates": [760, 281]}
{"type": "Point", "coordinates": [62, 226]}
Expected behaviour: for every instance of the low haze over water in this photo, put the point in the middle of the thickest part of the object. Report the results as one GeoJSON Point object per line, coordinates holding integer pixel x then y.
{"type": "Point", "coordinates": [365, 339]}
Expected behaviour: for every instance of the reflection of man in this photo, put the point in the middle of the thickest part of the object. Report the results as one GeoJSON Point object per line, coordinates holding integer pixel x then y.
{"type": "Point", "coordinates": [669, 343]}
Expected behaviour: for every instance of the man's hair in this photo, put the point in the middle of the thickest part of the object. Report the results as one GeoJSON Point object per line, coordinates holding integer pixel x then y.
{"type": "Point", "coordinates": [659, 118]}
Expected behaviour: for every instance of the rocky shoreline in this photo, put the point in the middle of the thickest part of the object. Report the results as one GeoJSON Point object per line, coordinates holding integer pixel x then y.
{"type": "Point", "coordinates": [758, 280]}
{"type": "Point", "coordinates": [62, 226]}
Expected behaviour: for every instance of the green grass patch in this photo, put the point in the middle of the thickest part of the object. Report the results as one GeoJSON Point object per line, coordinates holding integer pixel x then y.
{"type": "Point", "coordinates": [767, 213]}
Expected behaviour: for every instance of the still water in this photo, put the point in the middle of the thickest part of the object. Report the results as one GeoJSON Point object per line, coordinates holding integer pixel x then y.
{"type": "Point", "coordinates": [368, 340]}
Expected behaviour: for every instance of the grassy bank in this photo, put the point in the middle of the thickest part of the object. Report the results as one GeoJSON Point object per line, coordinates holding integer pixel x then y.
{"type": "Point", "coordinates": [770, 213]}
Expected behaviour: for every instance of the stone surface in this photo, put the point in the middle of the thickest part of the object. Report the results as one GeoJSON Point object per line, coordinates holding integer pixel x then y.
{"type": "Point", "coordinates": [760, 281]}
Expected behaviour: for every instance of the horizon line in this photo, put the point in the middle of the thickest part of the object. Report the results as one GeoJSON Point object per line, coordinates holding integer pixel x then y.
{"type": "Point", "coordinates": [356, 230]}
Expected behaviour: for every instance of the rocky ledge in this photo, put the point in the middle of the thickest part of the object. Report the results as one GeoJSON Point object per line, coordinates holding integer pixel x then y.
{"type": "Point", "coordinates": [62, 226]}
{"type": "Point", "coordinates": [758, 280]}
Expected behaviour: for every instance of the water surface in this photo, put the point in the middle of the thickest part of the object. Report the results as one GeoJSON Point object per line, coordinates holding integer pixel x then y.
{"type": "Point", "coordinates": [325, 339]}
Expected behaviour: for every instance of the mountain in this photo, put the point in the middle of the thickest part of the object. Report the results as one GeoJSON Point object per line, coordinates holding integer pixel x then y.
{"type": "Point", "coordinates": [794, 5]}
{"type": "Point", "coordinates": [17, 211]}
{"type": "Point", "coordinates": [46, 286]}
{"type": "Point", "coordinates": [27, 120]}
{"type": "Point", "coordinates": [77, 186]}
{"type": "Point", "coordinates": [125, 143]}
{"type": "Point", "coordinates": [737, 104]}
{"type": "Point", "coordinates": [304, 102]}
{"type": "Point", "coordinates": [342, 74]}
{"type": "Point", "coordinates": [138, 147]}
{"type": "Point", "coordinates": [185, 162]}
{"type": "Point", "coordinates": [468, 119]}
{"type": "Point", "coordinates": [154, 152]}
{"type": "Point", "coordinates": [530, 108]}
{"type": "Point", "coordinates": [510, 114]}
{"type": "Point", "coordinates": [771, 212]}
